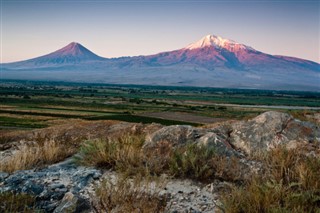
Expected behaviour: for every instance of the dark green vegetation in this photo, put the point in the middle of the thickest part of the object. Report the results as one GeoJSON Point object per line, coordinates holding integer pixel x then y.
{"type": "Point", "coordinates": [32, 104]}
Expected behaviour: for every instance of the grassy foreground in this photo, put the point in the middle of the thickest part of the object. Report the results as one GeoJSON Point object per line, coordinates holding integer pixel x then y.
{"type": "Point", "coordinates": [287, 180]}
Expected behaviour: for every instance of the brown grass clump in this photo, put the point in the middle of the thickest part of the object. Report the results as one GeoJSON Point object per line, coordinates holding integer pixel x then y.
{"type": "Point", "coordinates": [10, 202]}
{"type": "Point", "coordinates": [35, 155]}
{"type": "Point", "coordinates": [129, 195]}
{"type": "Point", "coordinates": [123, 154]}
{"type": "Point", "coordinates": [290, 183]}
{"type": "Point", "coordinates": [202, 164]}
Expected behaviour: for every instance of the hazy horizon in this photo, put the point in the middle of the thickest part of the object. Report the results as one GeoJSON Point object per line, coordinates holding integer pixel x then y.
{"type": "Point", "coordinates": [128, 28]}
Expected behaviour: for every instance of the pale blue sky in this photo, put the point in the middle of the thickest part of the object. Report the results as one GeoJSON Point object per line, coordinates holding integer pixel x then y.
{"type": "Point", "coordinates": [127, 28]}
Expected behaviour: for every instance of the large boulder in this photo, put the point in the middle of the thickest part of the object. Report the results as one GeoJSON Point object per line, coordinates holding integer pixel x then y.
{"type": "Point", "coordinates": [181, 135]}
{"type": "Point", "coordinates": [271, 129]}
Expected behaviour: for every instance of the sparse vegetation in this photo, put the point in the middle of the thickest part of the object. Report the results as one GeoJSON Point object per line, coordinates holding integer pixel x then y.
{"type": "Point", "coordinates": [12, 203]}
{"type": "Point", "coordinates": [122, 153]}
{"type": "Point", "coordinates": [289, 183]}
{"type": "Point", "coordinates": [130, 195]}
{"type": "Point", "coordinates": [125, 155]}
{"type": "Point", "coordinates": [203, 164]}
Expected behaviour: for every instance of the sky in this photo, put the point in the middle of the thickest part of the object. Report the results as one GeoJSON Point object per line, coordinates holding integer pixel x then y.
{"type": "Point", "coordinates": [127, 28]}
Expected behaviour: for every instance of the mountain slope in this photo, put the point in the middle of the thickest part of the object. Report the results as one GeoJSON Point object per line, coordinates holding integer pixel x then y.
{"type": "Point", "coordinates": [213, 51]}
{"type": "Point", "coordinates": [212, 62]}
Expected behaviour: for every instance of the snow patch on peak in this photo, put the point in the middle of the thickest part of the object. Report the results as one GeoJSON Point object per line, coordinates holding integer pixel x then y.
{"type": "Point", "coordinates": [217, 42]}
{"type": "Point", "coordinates": [74, 43]}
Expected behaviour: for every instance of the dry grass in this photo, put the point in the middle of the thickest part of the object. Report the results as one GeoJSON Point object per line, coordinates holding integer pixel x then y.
{"type": "Point", "coordinates": [290, 183]}
{"type": "Point", "coordinates": [125, 155]}
{"type": "Point", "coordinates": [10, 202]}
{"type": "Point", "coordinates": [9, 135]}
{"type": "Point", "coordinates": [202, 164]}
{"type": "Point", "coordinates": [35, 155]}
{"type": "Point", "coordinates": [129, 195]}
{"type": "Point", "coordinates": [121, 153]}
{"type": "Point", "coordinates": [31, 149]}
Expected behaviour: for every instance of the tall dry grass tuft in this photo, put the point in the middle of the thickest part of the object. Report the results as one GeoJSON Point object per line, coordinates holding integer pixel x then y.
{"type": "Point", "coordinates": [35, 155]}
{"type": "Point", "coordinates": [202, 164]}
{"type": "Point", "coordinates": [290, 183]}
{"type": "Point", "coordinates": [130, 195]}
{"type": "Point", "coordinates": [121, 153]}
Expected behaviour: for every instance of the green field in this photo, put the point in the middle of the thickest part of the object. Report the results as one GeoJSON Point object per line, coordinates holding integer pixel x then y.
{"type": "Point", "coordinates": [32, 104]}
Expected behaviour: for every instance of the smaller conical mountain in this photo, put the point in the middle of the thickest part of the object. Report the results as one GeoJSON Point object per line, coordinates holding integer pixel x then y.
{"type": "Point", "coordinates": [73, 53]}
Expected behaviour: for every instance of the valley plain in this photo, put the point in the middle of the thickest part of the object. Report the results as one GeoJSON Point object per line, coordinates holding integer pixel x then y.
{"type": "Point", "coordinates": [36, 104]}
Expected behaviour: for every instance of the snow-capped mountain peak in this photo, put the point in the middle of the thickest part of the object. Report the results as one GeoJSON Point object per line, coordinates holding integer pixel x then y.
{"type": "Point", "coordinates": [73, 49]}
{"type": "Point", "coordinates": [217, 42]}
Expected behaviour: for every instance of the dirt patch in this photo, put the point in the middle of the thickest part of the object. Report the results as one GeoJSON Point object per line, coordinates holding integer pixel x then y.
{"type": "Point", "coordinates": [181, 116]}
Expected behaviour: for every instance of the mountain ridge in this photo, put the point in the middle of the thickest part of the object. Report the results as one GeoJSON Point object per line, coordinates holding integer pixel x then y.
{"type": "Point", "coordinates": [212, 61]}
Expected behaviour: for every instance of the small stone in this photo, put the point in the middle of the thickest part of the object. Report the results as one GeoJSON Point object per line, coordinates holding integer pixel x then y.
{"type": "Point", "coordinates": [96, 175]}
{"type": "Point", "coordinates": [68, 204]}
{"type": "Point", "coordinates": [3, 176]}
{"type": "Point", "coordinates": [57, 185]}
{"type": "Point", "coordinates": [204, 207]}
{"type": "Point", "coordinates": [61, 190]}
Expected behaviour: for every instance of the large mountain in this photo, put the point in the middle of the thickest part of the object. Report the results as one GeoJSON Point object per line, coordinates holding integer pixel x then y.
{"type": "Point", "coordinates": [212, 61]}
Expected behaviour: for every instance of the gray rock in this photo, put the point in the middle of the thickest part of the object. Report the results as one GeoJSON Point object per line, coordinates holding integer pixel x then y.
{"type": "Point", "coordinates": [221, 146]}
{"type": "Point", "coordinates": [56, 186]}
{"type": "Point", "coordinates": [68, 204]}
{"type": "Point", "coordinates": [3, 176]}
{"type": "Point", "coordinates": [271, 129]}
{"type": "Point", "coordinates": [180, 135]}
{"type": "Point", "coordinates": [50, 184]}
{"type": "Point", "coordinates": [175, 136]}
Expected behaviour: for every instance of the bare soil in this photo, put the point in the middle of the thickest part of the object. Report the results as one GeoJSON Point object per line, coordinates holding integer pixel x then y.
{"type": "Point", "coordinates": [181, 116]}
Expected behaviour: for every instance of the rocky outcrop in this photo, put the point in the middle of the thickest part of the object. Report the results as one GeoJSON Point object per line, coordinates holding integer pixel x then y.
{"type": "Point", "coordinates": [258, 134]}
{"type": "Point", "coordinates": [271, 129]}
{"type": "Point", "coordinates": [66, 187]}
{"type": "Point", "coordinates": [57, 188]}
{"type": "Point", "coordinates": [179, 135]}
